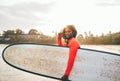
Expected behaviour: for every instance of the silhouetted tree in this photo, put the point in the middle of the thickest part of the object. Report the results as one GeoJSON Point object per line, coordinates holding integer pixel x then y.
{"type": "Point", "coordinates": [33, 32]}
{"type": "Point", "coordinates": [19, 31]}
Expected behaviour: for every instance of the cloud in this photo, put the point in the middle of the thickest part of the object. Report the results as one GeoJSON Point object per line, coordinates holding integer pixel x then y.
{"type": "Point", "coordinates": [109, 3]}
{"type": "Point", "coordinates": [23, 14]}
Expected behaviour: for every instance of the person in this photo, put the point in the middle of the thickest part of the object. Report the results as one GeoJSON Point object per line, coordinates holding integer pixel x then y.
{"type": "Point", "coordinates": [69, 33]}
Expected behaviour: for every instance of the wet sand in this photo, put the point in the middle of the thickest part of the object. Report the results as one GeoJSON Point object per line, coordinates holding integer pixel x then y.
{"type": "Point", "coordinates": [8, 73]}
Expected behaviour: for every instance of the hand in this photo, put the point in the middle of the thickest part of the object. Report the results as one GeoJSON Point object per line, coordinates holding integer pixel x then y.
{"type": "Point", "coordinates": [60, 34]}
{"type": "Point", "coordinates": [64, 78]}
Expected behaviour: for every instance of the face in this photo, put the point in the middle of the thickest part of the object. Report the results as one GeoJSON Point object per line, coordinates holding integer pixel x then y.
{"type": "Point", "coordinates": [68, 33]}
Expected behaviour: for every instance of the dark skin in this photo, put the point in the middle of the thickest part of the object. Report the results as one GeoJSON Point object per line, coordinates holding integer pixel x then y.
{"type": "Point", "coordinates": [64, 78]}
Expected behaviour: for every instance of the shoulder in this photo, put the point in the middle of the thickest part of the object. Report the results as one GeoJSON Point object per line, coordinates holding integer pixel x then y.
{"type": "Point", "coordinates": [74, 42]}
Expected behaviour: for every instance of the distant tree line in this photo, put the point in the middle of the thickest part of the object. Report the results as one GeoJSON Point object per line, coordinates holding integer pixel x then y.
{"type": "Point", "coordinates": [108, 39]}
{"type": "Point", "coordinates": [16, 36]}
{"type": "Point", "coordinates": [33, 36]}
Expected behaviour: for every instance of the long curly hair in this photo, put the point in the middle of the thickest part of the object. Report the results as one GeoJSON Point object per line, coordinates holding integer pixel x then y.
{"type": "Point", "coordinates": [72, 28]}
{"type": "Point", "coordinates": [74, 32]}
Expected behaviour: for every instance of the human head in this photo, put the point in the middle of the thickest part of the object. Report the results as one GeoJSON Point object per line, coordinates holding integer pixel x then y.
{"type": "Point", "coordinates": [69, 31]}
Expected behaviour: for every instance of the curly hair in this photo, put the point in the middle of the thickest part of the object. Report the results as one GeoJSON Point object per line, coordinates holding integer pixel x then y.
{"type": "Point", "coordinates": [72, 28]}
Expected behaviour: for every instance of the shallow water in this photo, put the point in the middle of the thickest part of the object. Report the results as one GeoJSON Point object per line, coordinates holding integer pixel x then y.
{"type": "Point", "coordinates": [107, 48]}
{"type": "Point", "coordinates": [8, 73]}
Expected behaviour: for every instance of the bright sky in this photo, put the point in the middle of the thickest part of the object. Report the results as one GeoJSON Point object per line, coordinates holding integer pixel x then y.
{"type": "Point", "coordinates": [97, 16]}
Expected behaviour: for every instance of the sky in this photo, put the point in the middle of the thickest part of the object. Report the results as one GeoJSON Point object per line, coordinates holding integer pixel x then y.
{"type": "Point", "coordinates": [96, 16]}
